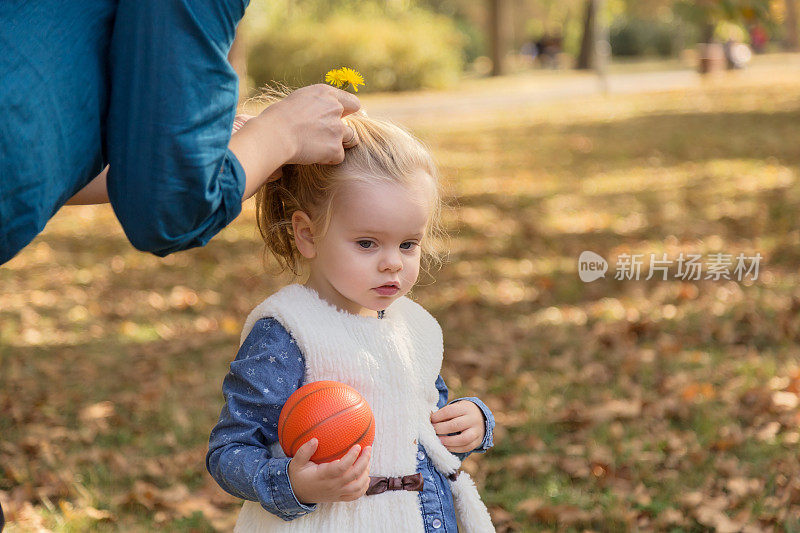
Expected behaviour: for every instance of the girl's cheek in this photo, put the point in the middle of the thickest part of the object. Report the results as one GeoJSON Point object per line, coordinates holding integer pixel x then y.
{"type": "Point", "coordinates": [412, 273]}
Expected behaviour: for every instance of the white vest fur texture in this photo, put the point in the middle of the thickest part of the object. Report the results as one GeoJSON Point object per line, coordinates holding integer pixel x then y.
{"type": "Point", "coordinates": [394, 363]}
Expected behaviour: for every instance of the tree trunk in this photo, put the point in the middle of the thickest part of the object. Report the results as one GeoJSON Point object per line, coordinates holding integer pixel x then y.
{"type": "Point", "coordinates": [707, 32]}
{"type": "Point", "coordinates": [237, 57]}
{"type": "Point", "coordinates": [498, 35]}
{"type": "Point", "coordinates": [792, 42]}
{"type": "Point", "coordinates": [588, 42]}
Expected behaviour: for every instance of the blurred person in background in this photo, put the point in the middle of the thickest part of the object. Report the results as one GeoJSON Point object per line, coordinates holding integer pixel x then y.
{"type": "Point", "coordinates": [530, 50]}
{"type": "Point", "coordinates": [548, 50]}
{"type": "Point", "coordinates": [737, 55]}
{"type": "Point", "coordinates": [758, 38]}
{"type": "Point", "coordinates": [133, 102]}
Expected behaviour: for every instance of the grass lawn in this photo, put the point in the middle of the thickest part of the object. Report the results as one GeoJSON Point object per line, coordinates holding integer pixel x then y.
{"type": "Point", "coordinates": [621, 404]}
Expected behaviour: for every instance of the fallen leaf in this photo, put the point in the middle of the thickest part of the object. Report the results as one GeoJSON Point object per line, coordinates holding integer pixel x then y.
{"type": "Point", "coordinates": [713, 517]}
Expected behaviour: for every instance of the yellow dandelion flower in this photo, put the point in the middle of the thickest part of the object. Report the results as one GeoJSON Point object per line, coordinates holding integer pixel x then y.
{"type": "Point", "coordinates": [335, 78]}
{"type": "Point", "coordinates": [353, 77]}
{"type": "Point", "coordinates": [342, 76]}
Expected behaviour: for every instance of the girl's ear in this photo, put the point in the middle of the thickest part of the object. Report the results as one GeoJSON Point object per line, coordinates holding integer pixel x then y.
{"type": "Point", "coordinates": [303, 231]}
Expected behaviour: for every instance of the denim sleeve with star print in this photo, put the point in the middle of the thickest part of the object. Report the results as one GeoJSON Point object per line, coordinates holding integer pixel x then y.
{"type": "Point", "coordinates": [268, 368]}
{"type": "Point", "coordinates": [488, 418]}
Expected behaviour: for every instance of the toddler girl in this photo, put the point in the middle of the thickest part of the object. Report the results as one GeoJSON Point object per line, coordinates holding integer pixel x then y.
{"type": "Point", "coordinates": [356, 232]}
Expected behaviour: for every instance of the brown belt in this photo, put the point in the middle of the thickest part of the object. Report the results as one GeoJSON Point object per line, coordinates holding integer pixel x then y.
{"type": "Point", "coordinates": [378, 485]}
{"type": "Point", "coordinates": [413, 482]}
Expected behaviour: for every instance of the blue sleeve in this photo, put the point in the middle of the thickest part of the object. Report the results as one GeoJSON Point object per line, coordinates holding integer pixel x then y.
{"type": "Point", "coordinates": [267, 370]}
{"type": "Point", "coordinates": [488, 417]}
{"type": "Point", "coordinates": [173, 182]}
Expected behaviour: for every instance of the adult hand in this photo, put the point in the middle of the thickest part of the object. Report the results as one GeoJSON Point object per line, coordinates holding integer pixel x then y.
{"type": "Point", "coordinates": [313, 121]}
{"type": "Point", "coordinates": [304, 128]}
{"type": "Point", "coordinates": [343, 480]}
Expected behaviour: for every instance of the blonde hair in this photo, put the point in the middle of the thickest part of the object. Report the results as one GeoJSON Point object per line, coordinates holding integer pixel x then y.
{"type": "Point", "coordinates": [385, 153]}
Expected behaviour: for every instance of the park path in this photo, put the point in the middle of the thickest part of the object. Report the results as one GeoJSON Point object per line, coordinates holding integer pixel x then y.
{"type": "Point", "coordinates": [541, 87]}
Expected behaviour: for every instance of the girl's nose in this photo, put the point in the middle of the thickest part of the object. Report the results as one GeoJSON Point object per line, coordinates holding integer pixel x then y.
{"type": "Point", "coordinates": [392, 263]}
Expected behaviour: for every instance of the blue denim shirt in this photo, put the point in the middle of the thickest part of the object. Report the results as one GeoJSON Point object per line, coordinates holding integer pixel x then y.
{"type": "Point", "coordinates": [268, 368]}
{"type": "Point", "coordinates": [144, 86]}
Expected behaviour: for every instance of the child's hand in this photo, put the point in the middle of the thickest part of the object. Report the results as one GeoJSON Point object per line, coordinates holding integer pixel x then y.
{"type": "Point", "coordinates": [343, 480]}
{"type": "Point", "coordinates": [464, 418]}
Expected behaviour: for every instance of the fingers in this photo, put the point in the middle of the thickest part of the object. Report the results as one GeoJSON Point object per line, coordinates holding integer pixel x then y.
{"type": "Point", "coordinates": [338, 158]}
{"type": "Point", "coordinates": [352, 465]}
{"type": "Point", "coordinates": [350, 138]}
{"type": "Point", "coordinates": [447, 412]}
{"type": "Point", "coordinates": [304, 453]}
{"type": "Point", "coordinates": [463, 442]}
{"type": "Point", "coordinates": [350, 103]}
{"type": "Point", "coordinates": [453, 410]}
{"type": "Point", "coordinates": [362, 464]}
{"type": "Point", "coordinates": [348, 477]}
{"type": "Point", "coordinates": [358, 480]}
{"type": "Point", "coordinates": [345, 479]}
{"type": "Point", "coordinates": [349, 459]}
{"type": "Point", "coordinates": [356, 489]}
{"type": "Point", "coordinates": [454, 425]}
{"type": "Point", "coordinates": [457, 409]}
{"type": "Point", "coordinates": [338, 468]}
{"type": "Point", "coordinates": [339, 148]}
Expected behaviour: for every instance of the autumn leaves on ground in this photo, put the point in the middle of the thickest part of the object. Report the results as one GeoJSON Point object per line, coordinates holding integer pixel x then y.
{"type": "Point", "coordinates": [621, 404]}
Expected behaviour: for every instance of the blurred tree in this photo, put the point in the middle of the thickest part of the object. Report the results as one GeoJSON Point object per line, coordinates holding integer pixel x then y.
{"type": "Point", "coordinates": [401, 51]}
{"type": "Point", "coordinates": [595, 50]}
{"type": "Point", "coordinates": [588, 41]}
{"type": "Point", "coordinates": [498, 35]}
{"type": "Point", "coordinates": [792, 41]}
{"type": "Point", "coordinates": [527, 21]}
{"type": "Point", "coordinates": [645, 9]}
{"type": "Point", "coordinates": [706, 14]}
{"type": "Point", "coordinates": [471, 19]}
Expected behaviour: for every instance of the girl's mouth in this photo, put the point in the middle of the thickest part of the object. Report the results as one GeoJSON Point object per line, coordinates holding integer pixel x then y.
{"type": "Point", "coordinates": [387, 290]}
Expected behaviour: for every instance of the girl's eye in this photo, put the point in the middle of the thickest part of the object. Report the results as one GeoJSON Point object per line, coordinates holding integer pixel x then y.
{"type": "Point", "coordinates": [364, 244]}
{"type": "Point", "coordinates": [410, 245]}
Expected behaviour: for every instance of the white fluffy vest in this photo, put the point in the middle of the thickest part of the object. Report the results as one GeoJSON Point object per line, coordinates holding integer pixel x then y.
{"type": "Point", "coordinates": [394, 363]}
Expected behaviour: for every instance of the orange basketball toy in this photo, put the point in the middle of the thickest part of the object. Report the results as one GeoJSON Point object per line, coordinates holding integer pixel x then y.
{"type": "Point", "coordinates": [334, 413]}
